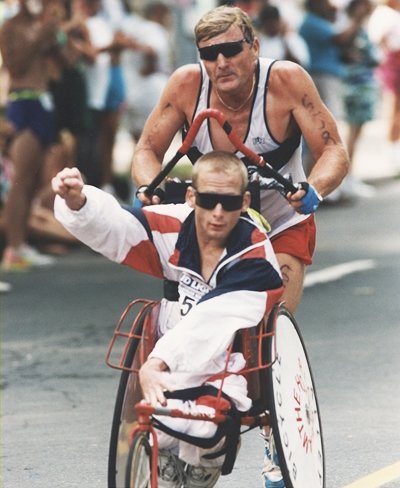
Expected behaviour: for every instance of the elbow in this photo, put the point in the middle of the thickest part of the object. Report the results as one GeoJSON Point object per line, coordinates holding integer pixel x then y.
{"type": "Point", "coordinates": [345, 163]}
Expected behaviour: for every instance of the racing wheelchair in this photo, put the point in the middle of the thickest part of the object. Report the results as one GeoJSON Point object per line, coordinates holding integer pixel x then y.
{"type": "Point", "coordinates": [277, 371]}
{"type": "Point", "coordinates": [280, 385]}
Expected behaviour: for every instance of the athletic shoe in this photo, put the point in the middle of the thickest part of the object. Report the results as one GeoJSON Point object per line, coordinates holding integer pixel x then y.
{"type": "Point", "coordinates": [4, 287]}
{"type": "Point", "coordinates": [271, 471]}
{"type": "Point", "coordinates": [201, 477]}
{"type": "Point", "coordinates": [24, 257]}
{"type": "Point", "coordinates": [170, 470]}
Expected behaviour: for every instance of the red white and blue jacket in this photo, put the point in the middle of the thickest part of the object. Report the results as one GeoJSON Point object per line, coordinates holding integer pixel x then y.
{"type": "Point", "coordinates": [161, 241]}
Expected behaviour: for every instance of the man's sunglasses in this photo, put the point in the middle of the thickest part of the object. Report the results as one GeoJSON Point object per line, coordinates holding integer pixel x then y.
{"type": "Point", "coordinates": [210, 200]}
{"type": "Point", "coordinates": [227, 49]}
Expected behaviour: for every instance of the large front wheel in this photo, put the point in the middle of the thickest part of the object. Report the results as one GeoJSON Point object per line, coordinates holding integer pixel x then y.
{"type": "Point", "coordinates": [293, 405]}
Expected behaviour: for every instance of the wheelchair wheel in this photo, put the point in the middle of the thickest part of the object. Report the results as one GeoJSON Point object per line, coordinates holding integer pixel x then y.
{"type": "Point", "coordinates": [124, 418]}
{"type": "Point", "coordinates": [293, 405]}
{"type": "Point", "coordinates": [138, 466]}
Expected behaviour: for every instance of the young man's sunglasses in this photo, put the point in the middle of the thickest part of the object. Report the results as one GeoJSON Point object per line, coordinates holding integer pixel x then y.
{"type": "Point", "coordinates": [210, 200]}
{"type": "Point", "coordinates": [227, 49]}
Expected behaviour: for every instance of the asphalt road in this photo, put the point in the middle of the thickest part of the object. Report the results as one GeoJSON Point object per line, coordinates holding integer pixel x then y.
{"type": "Point", "coordinates": [58, 394]}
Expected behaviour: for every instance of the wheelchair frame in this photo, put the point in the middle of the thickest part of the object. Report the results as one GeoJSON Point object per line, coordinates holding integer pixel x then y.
{"type": "Point", "coordinates": [280, 384]}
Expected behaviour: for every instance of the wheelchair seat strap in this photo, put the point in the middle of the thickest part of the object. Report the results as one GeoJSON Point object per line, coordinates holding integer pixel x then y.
{"type": "Point", "coordinates": [230, 428]}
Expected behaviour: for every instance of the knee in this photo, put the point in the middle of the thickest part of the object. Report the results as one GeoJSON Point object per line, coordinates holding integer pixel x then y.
{"type": "Point", "coordinates": [292, 270]}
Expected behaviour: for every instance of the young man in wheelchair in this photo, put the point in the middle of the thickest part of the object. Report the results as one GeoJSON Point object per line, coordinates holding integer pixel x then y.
{"type": "Point", "coordinates": [227, 276]}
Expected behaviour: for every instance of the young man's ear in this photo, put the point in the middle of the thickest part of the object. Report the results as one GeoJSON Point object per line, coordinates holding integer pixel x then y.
{"type": "Point", "coordinates": [246, 201]}
{"type": "Point", "coordinates": [190, 197]}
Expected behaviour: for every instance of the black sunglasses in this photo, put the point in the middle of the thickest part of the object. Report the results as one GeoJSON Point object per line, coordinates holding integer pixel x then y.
{"type": "Point", "coordinates": [210, 200]}
{"type": "Point", "coordinates": [227, 49]}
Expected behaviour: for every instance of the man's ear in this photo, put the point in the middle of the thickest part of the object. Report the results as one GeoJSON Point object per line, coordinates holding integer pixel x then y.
{"type": "Point", "coordinates": [246, 201]}
{"type": "Point", "coordinates": [256, 46]}
{"type": "Point", "coordinates": [190, 198]}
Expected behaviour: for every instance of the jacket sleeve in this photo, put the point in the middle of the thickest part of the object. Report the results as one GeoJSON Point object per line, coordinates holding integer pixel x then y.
{"type": "Point", "coordinates": [103, 225]}
{"type": "Point", "coordinates": [199, 341]}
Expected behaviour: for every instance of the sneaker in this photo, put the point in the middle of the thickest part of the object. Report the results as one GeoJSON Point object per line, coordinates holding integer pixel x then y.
{"type": "Point", "coordinates": [170, 470]}
{"type": "Point", "coordinates": [24, 257]}
{"type": "Point", "coordinates": [4, 287]}
{"type": "Point", "coordinates": [271, 471]}
{"type": "Point", "coordinates": [201, 476]}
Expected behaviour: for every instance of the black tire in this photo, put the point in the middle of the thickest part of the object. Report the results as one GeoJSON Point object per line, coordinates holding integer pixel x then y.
{"type": "Point", "coordinates": [293, 405]}
{"type": "Point", "coordinates": [138, 465]}
{"type": "Point", "coordinates": [120, 427]}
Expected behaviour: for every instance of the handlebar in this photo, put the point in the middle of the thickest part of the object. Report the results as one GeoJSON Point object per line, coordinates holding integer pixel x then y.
{"type": "Point", "coordinates": [236, 141]}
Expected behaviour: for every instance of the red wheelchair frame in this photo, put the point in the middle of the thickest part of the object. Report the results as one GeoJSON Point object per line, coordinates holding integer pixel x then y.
{"type": "Point", "coordinates": [132, 341]}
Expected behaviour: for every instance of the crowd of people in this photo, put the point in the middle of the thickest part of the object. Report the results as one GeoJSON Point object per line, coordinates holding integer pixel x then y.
{"type": "Point", "coordinates": [85, 68]}
{"type": "Point", "coordinates": [68, 68]}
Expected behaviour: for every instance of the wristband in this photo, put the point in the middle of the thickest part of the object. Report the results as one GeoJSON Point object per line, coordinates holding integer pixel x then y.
{"type": "Point", "coordinates": [311, 200]}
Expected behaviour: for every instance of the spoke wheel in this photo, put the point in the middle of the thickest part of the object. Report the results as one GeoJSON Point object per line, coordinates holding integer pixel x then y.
{"type": "Point", "coordinates": [124, 417]}
{"type": "Point", "coordinates": [293, 406]}
{"type": "Point", "coordinates": [138, 466]}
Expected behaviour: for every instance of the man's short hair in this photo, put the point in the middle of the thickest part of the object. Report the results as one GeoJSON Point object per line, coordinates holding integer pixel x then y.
{"type": "Point", "coordinates": [221, 162]}
{"type": "Point", "coordinates": [220, 19]}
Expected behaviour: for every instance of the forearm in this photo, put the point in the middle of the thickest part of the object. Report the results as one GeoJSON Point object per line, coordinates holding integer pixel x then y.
{"type": "Point", "coordinates": [330, 169]}
{"type": "Point", "coordinates": [145, 165]}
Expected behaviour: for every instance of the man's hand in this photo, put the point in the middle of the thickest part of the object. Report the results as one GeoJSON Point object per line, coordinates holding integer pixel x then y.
{"type": "Point", "coordinates": [152, 381]}
{"type": "Point", "coordinates": [146, 199]}
{"type": "Point", "coordinates": [306, 199]}
{"type": "Point", "coordinates": [68, 183]}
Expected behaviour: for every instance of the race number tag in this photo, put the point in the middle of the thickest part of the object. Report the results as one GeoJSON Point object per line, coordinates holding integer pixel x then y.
{"type": "Point", "coordinates": [191, 289]}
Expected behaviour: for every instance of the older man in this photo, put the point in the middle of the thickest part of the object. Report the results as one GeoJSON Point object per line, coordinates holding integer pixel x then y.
{"type": "Point", "coordinates": [271, 105]}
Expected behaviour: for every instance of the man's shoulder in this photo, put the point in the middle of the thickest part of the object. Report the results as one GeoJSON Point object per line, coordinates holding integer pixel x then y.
{"type": "Point", "coordinates": [286, 73]}
{"type": "Point", "coordinates": [188, 73]}
{"type": "Point", "coordinates": [184, 84]}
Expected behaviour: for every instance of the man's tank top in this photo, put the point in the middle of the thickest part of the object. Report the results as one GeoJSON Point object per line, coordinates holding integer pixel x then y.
{"type": "Point", "coordinates": [284, 157]}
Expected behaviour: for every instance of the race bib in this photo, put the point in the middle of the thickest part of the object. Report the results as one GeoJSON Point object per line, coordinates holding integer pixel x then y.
{"type": "Point", "coordinates": [191, 289]}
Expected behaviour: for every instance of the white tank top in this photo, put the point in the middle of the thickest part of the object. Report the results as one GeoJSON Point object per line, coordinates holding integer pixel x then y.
{"type": "Point", "coordinates": [284, 157]}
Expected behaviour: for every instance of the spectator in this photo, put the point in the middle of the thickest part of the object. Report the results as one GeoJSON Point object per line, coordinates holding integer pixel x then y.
{"type": "Point", "coordinates": [324, 40]}
{"type": "Point", "coordinates": [386, 23]}
{"type": "Point", "coordinates": [68, 90]}
{"type": "Point", "coordinates": [147, 65]}
{"type": "Point", "coordinates": [6, 133]}
{"type": "Point", "coordinates": [27, 41]}
{"type": "Point", "coordinates": [278, 40]}
{"type": "Point", "coordinates": [105, 91]}
{"type": "Point", "coordinates": [68, 87]}
{"type": "Point", "coordinates": [361, 91]}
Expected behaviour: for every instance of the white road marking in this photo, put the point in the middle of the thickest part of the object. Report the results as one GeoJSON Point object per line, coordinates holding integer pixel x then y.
{"type": "Point", "coordinates": [338, 271]}
{"type": "Point", "coordinates": [379, 478]}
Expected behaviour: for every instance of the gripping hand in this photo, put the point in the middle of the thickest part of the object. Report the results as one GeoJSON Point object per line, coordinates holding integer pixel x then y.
{"type": "Point", "coordinates": [311, 200]}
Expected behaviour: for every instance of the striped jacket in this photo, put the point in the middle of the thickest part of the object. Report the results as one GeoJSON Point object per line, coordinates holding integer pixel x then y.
{"type": "Point", "coordinates": [161, 241]}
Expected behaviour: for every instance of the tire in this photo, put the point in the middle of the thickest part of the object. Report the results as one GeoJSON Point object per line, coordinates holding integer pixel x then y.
{"type": "Point", "coordinates": [124, 417]}
{"type": "Point", "coordinates": [293, 405]}
{"type": "Point", "coordinates": [138, 466]}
